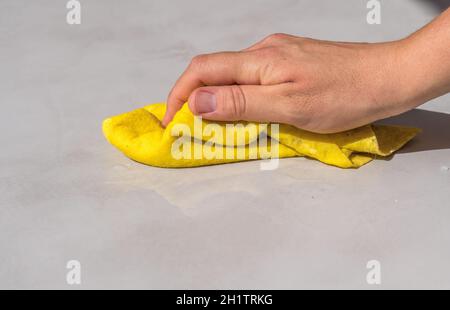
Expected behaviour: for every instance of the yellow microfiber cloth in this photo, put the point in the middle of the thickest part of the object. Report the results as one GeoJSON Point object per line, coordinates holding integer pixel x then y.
{"type": "Point", "coordinates": [140, 136]}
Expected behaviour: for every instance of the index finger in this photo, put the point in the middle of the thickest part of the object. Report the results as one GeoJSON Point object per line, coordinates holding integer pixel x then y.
{"type": "Point", "coordinates": [225, 68]}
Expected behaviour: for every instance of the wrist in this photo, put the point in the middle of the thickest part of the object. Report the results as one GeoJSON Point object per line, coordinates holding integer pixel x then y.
{"type": "Point", "coordinates": [394, 88]}
{"type": "Point", "coordinates": [425, 59]}
{"type": "Point", "coordinates": [411, 79]}
{"type": "Point", "coordinates": [411, 75]}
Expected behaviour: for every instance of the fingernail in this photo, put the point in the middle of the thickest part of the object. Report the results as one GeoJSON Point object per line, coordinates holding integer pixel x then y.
{"type": "Point", "coordinates": [205, 102]}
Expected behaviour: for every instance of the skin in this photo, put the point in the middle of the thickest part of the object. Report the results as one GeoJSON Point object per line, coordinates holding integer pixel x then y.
{"type": "Point", "coordinates": [320, 86]}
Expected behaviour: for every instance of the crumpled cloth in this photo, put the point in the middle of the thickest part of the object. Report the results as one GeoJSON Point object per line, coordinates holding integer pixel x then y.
{"type": "Point", "coordinates": [141, 137]}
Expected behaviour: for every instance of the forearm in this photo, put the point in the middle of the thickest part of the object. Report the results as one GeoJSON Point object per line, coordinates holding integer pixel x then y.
{"type": "Point", "coordinates": [427, 61]}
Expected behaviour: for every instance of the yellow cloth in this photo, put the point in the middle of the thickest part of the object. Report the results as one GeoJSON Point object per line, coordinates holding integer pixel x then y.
{"type": "Point", "coordinates": [140, 136]}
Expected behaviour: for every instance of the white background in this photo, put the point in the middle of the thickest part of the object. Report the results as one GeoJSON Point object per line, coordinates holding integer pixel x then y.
{"type": "Point", "coordinates": [65, 193]}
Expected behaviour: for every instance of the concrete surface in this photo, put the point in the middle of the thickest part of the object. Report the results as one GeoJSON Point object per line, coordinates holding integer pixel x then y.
{"type": "Point", "coordinates": [66, 194]}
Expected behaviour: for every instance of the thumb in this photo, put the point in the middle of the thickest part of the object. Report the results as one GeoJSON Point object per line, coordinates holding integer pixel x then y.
{"type": "Point", "coordinates": [242, 102]}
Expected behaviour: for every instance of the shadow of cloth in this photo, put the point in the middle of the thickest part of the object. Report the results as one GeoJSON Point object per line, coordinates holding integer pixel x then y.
{"type": "Point", "coordinates": [440, 5]}
{"type": "Point", "coordinates": [435, 127]}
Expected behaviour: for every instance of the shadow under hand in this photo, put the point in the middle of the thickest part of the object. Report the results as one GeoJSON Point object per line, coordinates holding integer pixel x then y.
{"type": "Point", "coordinates": [440, 5]}
{"type": "Point", "coordinates": [435, 127]}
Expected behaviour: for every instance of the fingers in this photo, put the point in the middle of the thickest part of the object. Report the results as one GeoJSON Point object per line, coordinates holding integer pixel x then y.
{"type": "Point", "coordinates": [243, 102]}
{"type": "Point", "coordinates": [225, 68]}
{"type": "Point", "coordinates": [248, 67]}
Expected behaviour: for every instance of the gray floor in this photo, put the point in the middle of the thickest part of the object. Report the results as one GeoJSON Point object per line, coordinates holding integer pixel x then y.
{"type": "Point", "coordinates": [66, 194]}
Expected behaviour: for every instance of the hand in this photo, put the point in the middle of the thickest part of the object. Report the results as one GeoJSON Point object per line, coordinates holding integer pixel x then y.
{"type": "Point", "coordinates": [314, 85]}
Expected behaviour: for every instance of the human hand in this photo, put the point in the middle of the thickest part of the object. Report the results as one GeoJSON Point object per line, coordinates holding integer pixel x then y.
{"type": "Point", "coordinates": [319, 86]}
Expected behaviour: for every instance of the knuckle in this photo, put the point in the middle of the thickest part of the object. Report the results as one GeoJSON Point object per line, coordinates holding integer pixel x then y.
{"type": "Point", "coordinates": [234, 102]}
{"type": "Point", "coordinates": [198, 61]}
{"type": "Point", "coordinates": [268, 52]}
{"type": "Point", "coordinates": [276, 37]}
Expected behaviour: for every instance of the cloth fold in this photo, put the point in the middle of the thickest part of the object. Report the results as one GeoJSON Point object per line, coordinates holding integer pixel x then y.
{"type": "Point", "coordinates": [141, 137]}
